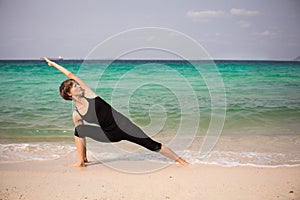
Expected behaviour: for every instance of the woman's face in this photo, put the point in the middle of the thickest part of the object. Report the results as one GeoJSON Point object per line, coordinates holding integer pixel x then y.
{"type": "Point", "coordinates": [76, 90]}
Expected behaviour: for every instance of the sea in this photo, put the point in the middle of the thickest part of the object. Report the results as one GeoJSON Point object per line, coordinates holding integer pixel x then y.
{"type": "Point", "coordinates": [223, 112]}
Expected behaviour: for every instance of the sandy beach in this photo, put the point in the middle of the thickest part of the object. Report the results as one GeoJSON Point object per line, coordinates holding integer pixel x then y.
{"type": "Point", "coordinates": [218, 82]}
{"type": "Point", "coordinates": [57, 180]}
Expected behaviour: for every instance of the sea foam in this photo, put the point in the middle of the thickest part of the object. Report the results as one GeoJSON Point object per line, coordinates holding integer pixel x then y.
{"type": "Point", "coordinates": [18, 152]}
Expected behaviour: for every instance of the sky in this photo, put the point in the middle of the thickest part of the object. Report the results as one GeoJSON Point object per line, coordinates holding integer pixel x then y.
{"type": "Point", "coordinates": [226, 29]}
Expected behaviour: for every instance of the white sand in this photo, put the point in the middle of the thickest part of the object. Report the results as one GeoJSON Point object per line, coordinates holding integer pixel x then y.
{"type": "Point", "coordinates": [56, 180]}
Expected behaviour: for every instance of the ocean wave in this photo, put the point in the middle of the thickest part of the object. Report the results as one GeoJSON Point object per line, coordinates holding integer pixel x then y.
{"type": "Point", "coordinates": [254, 159]}
{"type": "Point", "coordinates": [217, 157]}
{"type": "Point", "coordinates": [19, 152]}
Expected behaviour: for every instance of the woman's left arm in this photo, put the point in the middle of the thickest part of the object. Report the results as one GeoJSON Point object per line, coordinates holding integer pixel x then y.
{"type": "Point", "coordinates": [88, 91]}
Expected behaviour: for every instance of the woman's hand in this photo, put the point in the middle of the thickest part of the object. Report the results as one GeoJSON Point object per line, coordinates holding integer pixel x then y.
{"type": "Point", "coordinates": [50, 63]}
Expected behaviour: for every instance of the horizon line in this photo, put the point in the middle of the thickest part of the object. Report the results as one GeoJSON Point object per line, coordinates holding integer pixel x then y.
{"type": "Point", "coordinates": [146, 59]}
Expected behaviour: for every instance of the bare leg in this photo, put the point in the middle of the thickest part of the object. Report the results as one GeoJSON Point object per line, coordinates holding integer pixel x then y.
{"type": "Point", "coordinates": [80, 151]}
{"type": "Point", "coordinates": [166, 151]}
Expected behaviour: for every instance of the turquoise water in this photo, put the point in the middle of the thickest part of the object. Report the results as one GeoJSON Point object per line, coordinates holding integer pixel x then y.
{"type": "Point", "coordinates": [262, 97]}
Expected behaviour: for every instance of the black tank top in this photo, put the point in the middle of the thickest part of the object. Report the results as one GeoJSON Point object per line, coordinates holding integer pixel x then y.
{"type": "Point", "coordinates": [99, 112]}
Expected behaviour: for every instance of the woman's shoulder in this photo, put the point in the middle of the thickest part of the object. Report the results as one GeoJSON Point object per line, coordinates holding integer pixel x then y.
{"type": "Point", "coordinates": [90, 95]}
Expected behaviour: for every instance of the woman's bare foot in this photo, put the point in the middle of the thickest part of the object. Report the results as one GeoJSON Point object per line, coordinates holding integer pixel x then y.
{"type": "Point", "coordinates": [78, 164]}
{"type": "Point", "coordinates": [182, 162]}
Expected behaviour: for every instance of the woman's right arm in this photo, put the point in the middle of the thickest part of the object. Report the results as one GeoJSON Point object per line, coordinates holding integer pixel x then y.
{"type": "Point", "coordinates": [77, 119]}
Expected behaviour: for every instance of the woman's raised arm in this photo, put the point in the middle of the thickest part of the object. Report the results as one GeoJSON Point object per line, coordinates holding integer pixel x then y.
{"type": "Point", "coordinates": [63, 70]}
{"type": "Point", "coordinates": [70, 75]}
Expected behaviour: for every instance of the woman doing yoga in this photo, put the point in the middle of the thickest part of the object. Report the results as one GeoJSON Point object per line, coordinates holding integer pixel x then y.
{"type": "Point", "coordinates": [111, 126]}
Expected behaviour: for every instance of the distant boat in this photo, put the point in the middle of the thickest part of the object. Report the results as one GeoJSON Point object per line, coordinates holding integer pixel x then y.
{"type": "Point", "coordinates": [57, 58]}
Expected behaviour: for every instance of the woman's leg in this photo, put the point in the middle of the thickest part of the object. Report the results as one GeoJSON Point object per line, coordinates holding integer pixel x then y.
{"type": "Point", "coordinates": [126, 130]}
{"type": "Point", "coordinates": [152, 145]}
{"type": "Point", "coordinates": [80, 151]}
{"type": "Point", "coordinates": [166, 151]}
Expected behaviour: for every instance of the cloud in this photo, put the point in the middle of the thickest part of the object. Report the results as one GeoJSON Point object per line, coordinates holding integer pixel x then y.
{"type": "Point", "coordinates": [243, 24]}
{"type": "Point", "coordinates": [266, 33]}
{"type": "Point", "coordinates": [243, 12]}
{"type": "Point", "coordinates": [208, 15]}
{"type": "Point", "coordinates": [204, 15]}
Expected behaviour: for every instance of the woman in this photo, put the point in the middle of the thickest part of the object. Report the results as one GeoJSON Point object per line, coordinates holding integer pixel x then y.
{"type": "Point", "coordinates": [111, 126]}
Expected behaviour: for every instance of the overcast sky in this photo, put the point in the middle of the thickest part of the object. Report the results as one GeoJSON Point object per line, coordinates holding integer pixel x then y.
{"type": "Point", "coordinates": [227, 29]}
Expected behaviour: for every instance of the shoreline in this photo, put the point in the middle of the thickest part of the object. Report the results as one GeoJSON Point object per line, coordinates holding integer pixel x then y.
{"type": "Point", "coordinates": [230, 151]}
{"type": "Point", "coordinates": [54, 179]}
